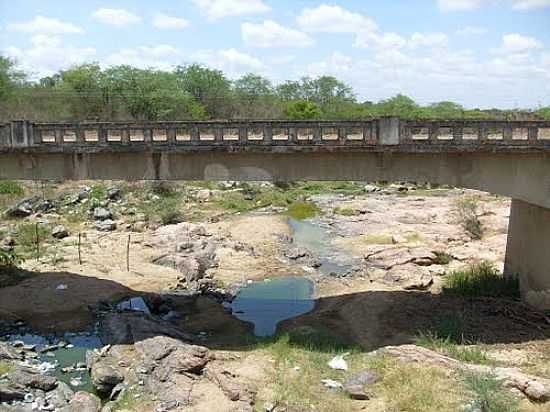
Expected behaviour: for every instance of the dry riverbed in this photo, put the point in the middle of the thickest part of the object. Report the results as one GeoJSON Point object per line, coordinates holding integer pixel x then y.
{"type": "Point", "coordinates": [379, 256]}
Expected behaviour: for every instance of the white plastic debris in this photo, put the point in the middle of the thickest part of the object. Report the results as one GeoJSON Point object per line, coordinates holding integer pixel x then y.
{"type": "Point", "coordinates": [45, 367]}
{"type": "Point", "coordinates": [76, 381]}
{"type": "Point", "coordinates": [62, 287]}
{"type": "Point", "coordinates": [331, 384]}
{"type": "Point", "coordinates": [339, 363]}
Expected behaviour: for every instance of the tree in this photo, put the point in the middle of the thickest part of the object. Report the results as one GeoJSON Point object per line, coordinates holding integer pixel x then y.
{"type": "Point", "coordinates": [302, 110]}
{"type": "Point", "coordinates": [255, 98]}
{"type": "Point", "coordinates": [445, 110]}
{"type": "Point", "coordinates": [208, 86]}
{"type": "Point", "coordinates": [10, 77]}
{"type": "Point", "coordinates": [544, 112]}
{"type": "Point", "coordinates": [400, 106]}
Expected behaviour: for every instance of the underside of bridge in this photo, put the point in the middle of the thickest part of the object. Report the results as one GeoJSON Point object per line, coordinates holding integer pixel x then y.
{"type": "Point", "coordinates": [506, 158]}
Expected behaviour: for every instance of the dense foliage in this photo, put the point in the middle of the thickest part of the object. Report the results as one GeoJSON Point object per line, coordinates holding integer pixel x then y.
{"type": "Point", "coordinates": [90, 92]}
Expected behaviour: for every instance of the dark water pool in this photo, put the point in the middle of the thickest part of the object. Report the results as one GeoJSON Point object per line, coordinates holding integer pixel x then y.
{"type": "Point", "coordinates": [267, 303]}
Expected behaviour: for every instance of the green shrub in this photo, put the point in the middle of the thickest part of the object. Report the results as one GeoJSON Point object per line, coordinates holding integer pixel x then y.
{"type": "Point", "coordinates": [29, 235]}
{"type": "Point", "coordinates": [9, 259]}
{"type": "Point", "coordinates": [442, 258]}
{"type": "Point", "coordinates": [490, 395]}
{"type": "Point", "coordinates": [344, 211]}
{"type": "Point", "coordinates": [302, 210]}
{"type": "Point", "coordinates": [481, 279]}
{"type": "Point", "coordinates": [467, 209]}
{"type": "Point", "coordinates": [470, 354]}
{"type": "Point", "coordinates": [8, 187]}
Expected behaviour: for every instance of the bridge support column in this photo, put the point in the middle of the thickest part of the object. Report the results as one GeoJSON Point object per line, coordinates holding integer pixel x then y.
{"type": "Point", "coordinates": [528, 252]}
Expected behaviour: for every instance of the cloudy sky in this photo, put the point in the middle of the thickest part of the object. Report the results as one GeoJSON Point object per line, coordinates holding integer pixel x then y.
{"type": "Point", "coordinates": [481, 53]}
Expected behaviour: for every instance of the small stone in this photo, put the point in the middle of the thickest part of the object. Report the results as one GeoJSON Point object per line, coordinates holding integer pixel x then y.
{"type": "Point", "coordinates": [113, 193]}
{"type": "Point", "coordinates": [59, 232]}
{"type": "Point", "coordinates": [101, 213]}
{"type": "Point", "coordinates": [105, 225]}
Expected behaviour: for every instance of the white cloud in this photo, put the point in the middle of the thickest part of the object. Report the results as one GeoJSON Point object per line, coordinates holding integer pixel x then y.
{"type": "Point", "coordinates": [161, 56]}
{"type": "Point", "coordinates": [377, 40]}
{"type": "Point", "coordinates": [163, 21]}
{"type": "Point", "coordinates": [45, 25]}
{"type": "Point", "coordinates": [271, 34]}
{"type": "Point", "coordinates": [231, 61]}
{"type": "Point", "coordinates": [460, 5]}
{"type": "Point", "coordinates": [472, 31]}
{"type": "Point", "coordinates": [116, 17]}
{"type": "Point", "coordinates": [48, 54]}
{"type": "Point", "coordinates": [529, 4]}
{"type": "Point", "coordinates": [216, 9]}
{"type": "Point", "coordinates": [427, 40]}
{"type": "Point", "coordinates": [517, 43]}
{"type": "Point", "coordinates": [334, 19]}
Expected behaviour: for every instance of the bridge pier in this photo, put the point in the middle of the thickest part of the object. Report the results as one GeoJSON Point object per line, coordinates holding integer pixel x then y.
{"type": "Point", "coordinates": [528, 252]}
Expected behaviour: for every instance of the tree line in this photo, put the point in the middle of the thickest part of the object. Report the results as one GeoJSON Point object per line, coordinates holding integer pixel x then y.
{"type": "Point", "coordinates": [196, 92]}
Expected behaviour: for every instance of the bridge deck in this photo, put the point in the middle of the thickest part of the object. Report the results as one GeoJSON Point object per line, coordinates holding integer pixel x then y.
{"type": "Point", "coordinates": [375, 135]}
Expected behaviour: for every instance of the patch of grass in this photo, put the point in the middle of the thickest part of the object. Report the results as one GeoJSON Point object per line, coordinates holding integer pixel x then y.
{"type": "Point", "coordinates": [9, 259]}
{"type": "Point", "coordinates": [442, 258]}
{"type": "Point", "coordinates": [130, 400]}
{"type": "Point", "coordinates": [345, 211]}
{"type": "Point", "coordinates": [28, 235]}
{"type": "Point", "coordinates": [8, 187]}
{"type": "Point", "coordinates": [467, 209]}
{"type": "Point", "coordinates": [235, 202]}
{"type": "Point", "coordinates": [418, 388]}
{"type": "Point", "coordinates": [469, 354]}
{"type": "Point", "coordinates": [489, 394]}
{"type": "Point", "coordinates": [481, 279]}
{"type": "Point", "coordinates": [377, 239]}
{"type": "Point", "coordinates": [300, 362]}
{"type": "Point", "coordinates": [302, 210]}
{"type": "Point", "coordinates": [165, 210]}
{"type": "Point", "coordinates": [413, 237]}
{"type": "Point", "coordinates": [5, 368]}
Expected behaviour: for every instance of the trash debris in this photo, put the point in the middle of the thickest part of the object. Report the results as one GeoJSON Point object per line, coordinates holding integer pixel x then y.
{"type": "Point", "coordinates": [134, 304]}
{"type": "Point", "coordinates": [339, 363]}
{"type": "Point", "coordinates": [62, 287]}
{"type": "Point", "coordinates": [331, 384]}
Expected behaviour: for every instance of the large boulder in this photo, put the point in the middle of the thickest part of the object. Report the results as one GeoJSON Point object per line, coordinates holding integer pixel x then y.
{"type": "Point", "coordinates": [7, 352]}
{"type": "Point", "coordinates": [23, 208]}
{"type": "Point", "coordinates": [83, 402]}
{"type": "Point", "coordinates": [409, 276]}
{"type": "Point", "coordinates": [105, 376]}
{"type": "Point", "coordinates": [20, 378]}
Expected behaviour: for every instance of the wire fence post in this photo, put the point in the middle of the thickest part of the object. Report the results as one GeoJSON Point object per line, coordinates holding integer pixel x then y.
{"type": "Point", "coordinates": [128, 253]}
{"type": "Point", "coordinates": [79, 254]}
{"type": "Point", "coordinates": [37, 241]}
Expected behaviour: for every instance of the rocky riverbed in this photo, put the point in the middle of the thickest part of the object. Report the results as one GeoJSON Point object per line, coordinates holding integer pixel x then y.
{"type": "Point", "coordinates": [149, 272]}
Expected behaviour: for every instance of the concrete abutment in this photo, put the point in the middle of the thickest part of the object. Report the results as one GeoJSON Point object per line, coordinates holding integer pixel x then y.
{"type": "Point", "coordinates": [528, 252]}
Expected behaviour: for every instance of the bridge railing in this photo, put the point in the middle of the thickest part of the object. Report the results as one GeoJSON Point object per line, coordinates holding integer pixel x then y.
{"type": "Point", "coordinates": [384, 131]}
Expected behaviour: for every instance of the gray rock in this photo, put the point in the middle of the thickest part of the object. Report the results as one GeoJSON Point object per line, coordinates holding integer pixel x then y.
{"type": "Point", "coordinates": [84, 193]}
{"type": "Point", "coordinates": [83, 402]}
{"type": "Point", "coordinates": [355, 385]}
{"type": "Point", "coordinates": [8, 353]}
{"type": "Point", "coordinates": [297, 253]}
{"type": "Point", "coordinates": [9, 393]}
{"type": "Point", "coordinates": [59, 232]}
{"type": "Point", "coordinates": [105, 225]}
{"type": "Point", "coordinates": [62, 395]}
{"type": "Point", "coordinates": [28, 379]}
{"type": "Point", "coordinates": [101, 213]}
{"type": "Point", "coordinates": [22, 208]}
{"type": "Point", "coordinates": [114, 193]}
{"type": "Point", "coordinates": [105, 377]}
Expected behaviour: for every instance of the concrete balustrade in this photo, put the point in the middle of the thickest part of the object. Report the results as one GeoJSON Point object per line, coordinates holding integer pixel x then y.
{"type": "Point", "coordinates": [385, 132]}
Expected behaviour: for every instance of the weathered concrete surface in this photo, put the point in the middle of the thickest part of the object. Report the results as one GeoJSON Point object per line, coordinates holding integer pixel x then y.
{"type": "Point", "coordinates": [528, 251]}
{"type": "Point", "coordinates": [524, 176]}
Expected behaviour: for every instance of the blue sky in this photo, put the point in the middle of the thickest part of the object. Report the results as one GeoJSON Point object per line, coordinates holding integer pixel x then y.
{"type": "Point", "coordinates": [481, 53]}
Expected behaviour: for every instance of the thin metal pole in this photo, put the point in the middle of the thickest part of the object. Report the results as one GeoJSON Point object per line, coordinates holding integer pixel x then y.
{"type": "Point", "coordinates": [37, 241]}
{"type": "Point", "coordinates": [128, 253]}
{"type": "Point", "coordinates": [79, 254]}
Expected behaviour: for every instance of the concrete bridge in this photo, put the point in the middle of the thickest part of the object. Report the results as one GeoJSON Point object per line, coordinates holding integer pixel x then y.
{"type": "Point", "coordinates": [507, 158]}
